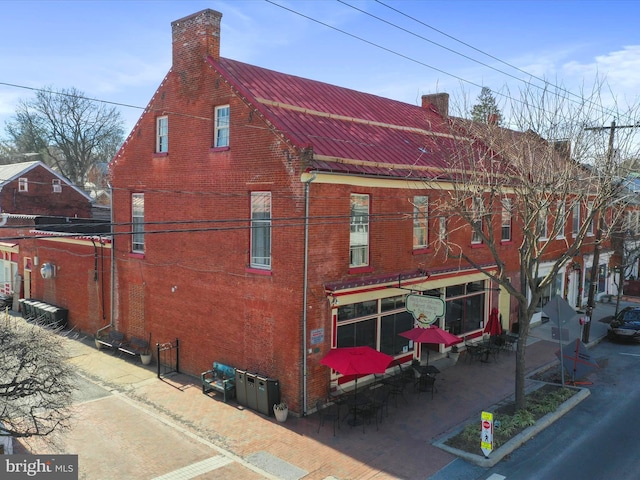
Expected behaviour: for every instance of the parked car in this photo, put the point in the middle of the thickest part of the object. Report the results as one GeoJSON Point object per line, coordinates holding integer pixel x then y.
{"type": "Point", "coordinates": [626, 325]}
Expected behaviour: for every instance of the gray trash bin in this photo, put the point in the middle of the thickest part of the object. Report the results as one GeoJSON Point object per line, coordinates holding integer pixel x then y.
{"type": "Point", "coordinates": [241, 387]}
{"type": "Point", "coordinates": [251, 387]}
{"type": "Point", "coordinates": [268, 391]}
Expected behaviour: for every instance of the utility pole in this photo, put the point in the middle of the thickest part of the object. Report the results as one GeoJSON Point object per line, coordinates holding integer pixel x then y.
{"type": "Point", "coordinates": [591, 304]}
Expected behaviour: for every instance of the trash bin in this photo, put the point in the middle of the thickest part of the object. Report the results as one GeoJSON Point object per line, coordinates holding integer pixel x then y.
{"type": "Point", "coordinates": [268, 391]}
{"type": "Point", "coordinates": [251, 387]}
{"type": "Point", "coordinates": [241, 387]}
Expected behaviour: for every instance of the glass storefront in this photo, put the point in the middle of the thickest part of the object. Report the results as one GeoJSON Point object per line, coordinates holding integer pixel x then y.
{"type": "Point", "coordinates": [378, 323]}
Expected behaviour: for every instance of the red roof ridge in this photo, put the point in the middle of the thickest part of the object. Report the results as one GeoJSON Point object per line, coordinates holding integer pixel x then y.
{"type": "Point", "coordinates": [363, 121]}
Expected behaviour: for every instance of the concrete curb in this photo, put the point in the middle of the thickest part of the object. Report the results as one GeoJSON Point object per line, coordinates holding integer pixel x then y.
{"type": "Point", "coordinates": [516, 441]}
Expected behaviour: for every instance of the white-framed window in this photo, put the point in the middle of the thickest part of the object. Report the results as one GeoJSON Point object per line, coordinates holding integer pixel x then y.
{"type": "Point", "coordinates": [543, 223]}
{"type": "Point", "coordinates": [477, 212]}
{"type": "Point", "coordinates": [505, 232]}
{"type": "Point", "coordinates": [56, 184]}
{"type": "Point", "coordinates": [589, 210]}
{"type": "Point", "coordinates": [162, 134]}
{"type": "Point", "coordinates": [261, 230]}
{"type": "Point", "coordinates": [562, 219]}
{"type": "Point", "coordinates": [221, 126]}
{"type": "Point", "coordinates": [575, 222]}
{"type": "Point", "coordinates": [420, 221]}
{"type": "Point", "coordinates": [442, 229]}
{"type": "Point", "coordinates": [359, 238]}
{"type": "Point", "coordinates": [23, 184]}
{"type": "Point", "coordinates": [137, 222]}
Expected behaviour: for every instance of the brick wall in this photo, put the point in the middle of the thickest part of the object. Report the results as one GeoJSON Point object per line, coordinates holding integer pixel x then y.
{"type": "Point", "coordinates": [40, 198]}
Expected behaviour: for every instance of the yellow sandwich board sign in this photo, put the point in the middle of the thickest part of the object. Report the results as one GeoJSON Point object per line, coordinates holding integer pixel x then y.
{"type": "Point", "coordinates": [486, 440]}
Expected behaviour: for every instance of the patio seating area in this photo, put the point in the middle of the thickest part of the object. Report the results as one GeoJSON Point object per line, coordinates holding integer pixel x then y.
{"type": "Point", "coordinates": [409, 386]}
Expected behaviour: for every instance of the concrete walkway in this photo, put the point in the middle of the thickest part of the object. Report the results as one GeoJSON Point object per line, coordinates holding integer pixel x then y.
{"type": "Point", "coordinates": [131, 424]}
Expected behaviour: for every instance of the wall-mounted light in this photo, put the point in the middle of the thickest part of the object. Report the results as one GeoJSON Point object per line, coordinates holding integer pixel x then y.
{"type": "Point", "coordinates": [36, 261]}
{"type": "Point", "coordinates": [48, 270]}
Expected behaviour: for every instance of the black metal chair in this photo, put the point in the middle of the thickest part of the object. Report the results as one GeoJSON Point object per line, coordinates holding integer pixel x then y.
{"type": "Point", "coordinates": [380, 400]}
{"type": "Point", "coordinates": [424, 382]}
{"type": "Point", "coordinates": [328, 412]}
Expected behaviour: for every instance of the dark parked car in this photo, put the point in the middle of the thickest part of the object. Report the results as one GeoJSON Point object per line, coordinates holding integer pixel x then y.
{"type": "Point", "coordinates": [626, 325]}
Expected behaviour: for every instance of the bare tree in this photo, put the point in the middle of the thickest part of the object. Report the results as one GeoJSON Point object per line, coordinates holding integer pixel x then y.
{"type": "Point", "coordinates": [36, 381]}
{"type": "Point", "coordinates": [72, 131]}
{"type": "Point", "coordinates": [532, 174]}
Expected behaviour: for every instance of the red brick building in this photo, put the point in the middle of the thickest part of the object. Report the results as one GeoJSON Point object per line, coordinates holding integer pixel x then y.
{"type": "Point", "coordinates": [80, 264]}
{"type": "Point", "coordinates": [32, 188]}
{"type": "Point", "coordinates": [263, 219]}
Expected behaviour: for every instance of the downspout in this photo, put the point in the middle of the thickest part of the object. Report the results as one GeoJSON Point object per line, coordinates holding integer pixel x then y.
{"type": "Point", "coordinates": [305, 283]}
{"type": "Point", "coordinates": [113, 262]}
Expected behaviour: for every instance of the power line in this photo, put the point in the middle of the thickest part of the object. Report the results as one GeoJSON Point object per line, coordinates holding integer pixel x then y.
{"type": "Point", "coordinates": [411, 59]}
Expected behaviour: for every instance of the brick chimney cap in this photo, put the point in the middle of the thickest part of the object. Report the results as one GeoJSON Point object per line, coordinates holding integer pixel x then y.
{"type": "Point", "coordinates": [206, 11]}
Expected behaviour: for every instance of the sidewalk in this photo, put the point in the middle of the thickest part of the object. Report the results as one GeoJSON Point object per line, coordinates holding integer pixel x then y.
{"type": "Point", "coordinates": [137, 426]}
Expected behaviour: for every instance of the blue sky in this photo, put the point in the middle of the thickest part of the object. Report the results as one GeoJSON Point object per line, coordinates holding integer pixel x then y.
{"type": "Point", "coordinates": [119, 51]}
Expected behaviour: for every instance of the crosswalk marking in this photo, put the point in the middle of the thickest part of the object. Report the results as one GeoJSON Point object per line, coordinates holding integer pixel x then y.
{"type": "Point", "coordinates": [195, 469]}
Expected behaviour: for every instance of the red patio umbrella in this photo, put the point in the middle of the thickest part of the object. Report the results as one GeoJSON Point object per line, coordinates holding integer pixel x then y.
{"type": "Point", "coordinates": [431, 334]}
{"type": "Point", "coordinates": [357, 361]}
{"type": "Point", "coordinates": [493, 326]}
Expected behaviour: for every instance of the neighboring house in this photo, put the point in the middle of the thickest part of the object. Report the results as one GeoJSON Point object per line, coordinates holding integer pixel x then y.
{"type": "Point", "coordinates": [79, 252]}
{"type": "Point", "coordinates": [33, 188]}
{"type": "Point", "coordinates": [97, 184]}
{"type": "Point", "coordinates": [263, 219]}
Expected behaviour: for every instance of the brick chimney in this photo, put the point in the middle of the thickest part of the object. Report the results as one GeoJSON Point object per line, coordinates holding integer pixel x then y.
{"type": "Point", "coordinates": [195, 37]}
{"type": "Point", "coordinates": [439, 100]}
{"type": "Point", "coordinates": [492, 119]}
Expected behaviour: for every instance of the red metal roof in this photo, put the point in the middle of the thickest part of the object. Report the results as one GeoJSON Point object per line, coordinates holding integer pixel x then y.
{"type": "Point", "coordinates": [349, 131]}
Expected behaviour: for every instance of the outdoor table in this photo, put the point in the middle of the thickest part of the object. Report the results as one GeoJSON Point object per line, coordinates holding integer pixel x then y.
{"type": "Point", "coordinates": [357, 405]}
{"type": "Point", "coordinates": [429, 369]}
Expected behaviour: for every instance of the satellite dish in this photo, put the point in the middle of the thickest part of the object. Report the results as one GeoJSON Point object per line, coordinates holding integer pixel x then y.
{"type": "Point", "coordinates": [48, 270]}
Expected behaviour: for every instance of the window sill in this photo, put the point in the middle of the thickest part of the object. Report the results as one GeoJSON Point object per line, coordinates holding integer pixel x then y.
{"type": "Point", "coordinates": [218, 149]}
{"type": "Point", "coordinates": [160, 155]}
{"type": "Point", "coordinates": [136, 255]}
{"type": "Point", "coordinates": [477, 245]}
{"type": "Point", "coordinates": [258, 271]}
{"type": "Point", "coordinates": [506, 242]}
{"type": "Point", "coordinates": [421, 250]}
{"type": "Point", "coordinates": [356, 270]}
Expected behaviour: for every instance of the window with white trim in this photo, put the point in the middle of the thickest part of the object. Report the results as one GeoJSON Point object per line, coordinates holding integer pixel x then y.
{"type": "Point", "coordinates": [221, 126]}
{"type": "Point", "coordinates": [137, 222]}
{"type": "Point", "coordinates": [477, 212]}
{"type": "Point", "coordinates": [442, 230]}
{"type": "Point", "coordinates": [23, 184]}
{"type": "Point", "coordinates": [575, 214]}
{"type": "Point", "coordinates": [261, 230]}
{"type": "Point", "coordinates": [359, 238]}
{"type": "Point", "coordinates": [420, 222]}
{"type": "Point", "coordinates": [505, 232]}
{"type": "Point", "coordinates": [562, 219]}
{"type": "Point", "coordinates": [162, 134]}
{"type": "Point", "coordinates": [543, 223]}
{"type": "Point", "coordinates": [589, 210]}
{"type": "Point", "coordinates": [56, 184]}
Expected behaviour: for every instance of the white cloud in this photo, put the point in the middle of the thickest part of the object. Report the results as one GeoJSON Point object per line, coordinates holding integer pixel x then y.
{"type": "Point", "coordinates": [620, 69]}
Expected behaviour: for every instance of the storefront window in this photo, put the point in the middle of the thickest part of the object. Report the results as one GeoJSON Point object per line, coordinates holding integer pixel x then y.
{"type": "Point", "coordinates": [550, 291]}
{"type": "Point", "coordinates": [358, 334]}
{"type": "Point", "coordinates": [465, 307]}
{"type": "Point", "coordinates": [390, 326]}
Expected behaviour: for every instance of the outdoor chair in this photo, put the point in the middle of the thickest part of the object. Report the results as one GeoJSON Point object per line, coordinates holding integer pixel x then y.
{"type": "Point", "coordinates": [474, 352]}
{"type": "Point", "coordinates": [329, 413]}
{"type": "Point", "coordinates": [424, 382]}
{"type": "Point", "coordinates": [380, 401]}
